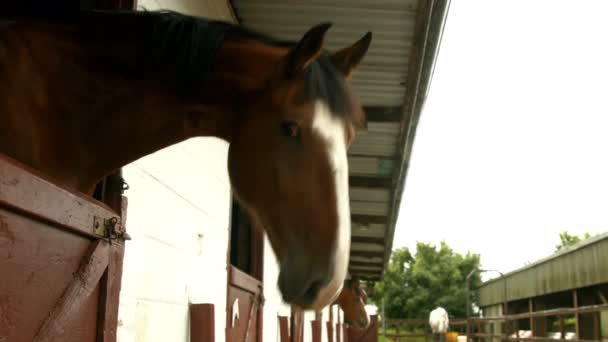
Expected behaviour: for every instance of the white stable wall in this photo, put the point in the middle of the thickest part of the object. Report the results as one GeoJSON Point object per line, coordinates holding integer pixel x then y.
{"type": "Point", "coordinates": [178, 218]}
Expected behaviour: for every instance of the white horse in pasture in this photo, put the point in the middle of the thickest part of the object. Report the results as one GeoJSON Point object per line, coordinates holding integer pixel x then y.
{"type": "Point", "coordinates": [439, 322]}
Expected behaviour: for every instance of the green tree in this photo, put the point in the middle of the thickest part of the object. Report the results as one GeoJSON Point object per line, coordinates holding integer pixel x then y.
{"type": "Point", "coordinates": [412, 286]}
{"type": "Point", "coordinates": [566, 240]}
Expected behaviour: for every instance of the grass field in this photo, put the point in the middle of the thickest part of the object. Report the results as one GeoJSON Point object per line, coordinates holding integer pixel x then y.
{"type": "Point", "coordinates": [402, 339]}
{"type": "Point", "coordinates": [381, 337]}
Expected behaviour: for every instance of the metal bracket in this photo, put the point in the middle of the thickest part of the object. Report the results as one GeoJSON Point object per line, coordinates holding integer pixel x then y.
{"type": "Point", "coordinates": [109, 228]}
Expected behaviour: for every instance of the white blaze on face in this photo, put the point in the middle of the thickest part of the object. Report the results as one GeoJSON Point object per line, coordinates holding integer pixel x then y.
{"type": "Point", "coordinates": [332, 130]}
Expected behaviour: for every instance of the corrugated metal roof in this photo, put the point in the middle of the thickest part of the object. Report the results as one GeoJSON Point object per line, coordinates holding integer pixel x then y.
{"type": "Point", "coordinates": [379, 139]}
{"type": "Point", "coordinates": [370, 194]}
{"type": "Point", "coordinates": [376, 157]}
{"type": "Point", "coordinates": [379, 80]}
{"type": "Point", "coordinates": [369, 230]}
{"type": "Point", "coordinates": [370, 166]}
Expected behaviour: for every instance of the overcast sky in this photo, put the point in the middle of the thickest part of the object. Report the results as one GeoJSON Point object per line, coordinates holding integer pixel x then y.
{"type": "Point", "coordinates": [512, 145]}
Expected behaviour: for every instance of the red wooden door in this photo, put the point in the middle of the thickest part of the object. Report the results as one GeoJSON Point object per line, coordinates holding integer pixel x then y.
{"type": "Point", "coordinates": [244, 307]}
{"type": "Point", "coordinates": [60, 261]}
{"type": "Point", "coordinates": [370, 334]}
{"type": "Point", "coordinates": [245, 298]}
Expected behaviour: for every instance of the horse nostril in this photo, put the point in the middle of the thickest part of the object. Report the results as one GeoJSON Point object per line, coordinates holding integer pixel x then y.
{"type": "Point", "coordinates": [313, 290]}
{"type": "Point", "coordinates": [299, 291]}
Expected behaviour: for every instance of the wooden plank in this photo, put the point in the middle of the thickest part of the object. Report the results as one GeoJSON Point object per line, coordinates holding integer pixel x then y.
{"type": "Point", "coordinates": [84, 283]}
{"type": "Point", "coordinates": [315, 327]}
{"type": "Point", "coordinates": [330, 331]}
{"type": "Point", "coordinates": [202, 323]}
{"type": "Point", "coordinates": [546, 313]}
{"type": "Point", "coordinates": [283, 329]}
{"type": "Point", "coordinates": [29, 192]}
{"type": "Point", "coordinates": [37, 263]}
{"type": "Point", "coordinates": [243, 280]}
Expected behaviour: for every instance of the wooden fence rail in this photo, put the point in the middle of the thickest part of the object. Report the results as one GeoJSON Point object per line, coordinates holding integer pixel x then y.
{"type": "Point", "coordinates": [476, 325]}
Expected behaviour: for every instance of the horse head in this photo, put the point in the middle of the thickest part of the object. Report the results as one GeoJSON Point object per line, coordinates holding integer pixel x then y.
{"type": "Point", "coordinates": [288, 164]}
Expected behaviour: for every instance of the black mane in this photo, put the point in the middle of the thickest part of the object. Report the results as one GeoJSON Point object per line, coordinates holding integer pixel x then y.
{"type": "Point", "coordinates": [190, 43]}
{"type": "Point", "coordinates": [187, 45]}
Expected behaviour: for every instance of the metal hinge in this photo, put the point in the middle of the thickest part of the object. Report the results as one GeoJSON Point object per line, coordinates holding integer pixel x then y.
{"type": "Point", "coordinates": [110, 228]}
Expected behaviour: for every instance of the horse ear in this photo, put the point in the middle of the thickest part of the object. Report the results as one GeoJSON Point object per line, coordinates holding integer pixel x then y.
{"type": "Point", "coordinates": [307, 49]}
{"type": "Point", "coordinates": [347, 59]}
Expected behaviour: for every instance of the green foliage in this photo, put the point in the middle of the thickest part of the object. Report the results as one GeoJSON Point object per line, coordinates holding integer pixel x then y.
{"type": "Point", "coordinates": [567, 240]}
{"type": "Point", "coordinates": [412, 286]}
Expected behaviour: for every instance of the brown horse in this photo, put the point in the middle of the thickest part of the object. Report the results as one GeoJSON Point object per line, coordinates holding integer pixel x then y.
{"type": "Point", "coordinates": [352, 301]}
{"type": "Point", "coordinates": [83, 95]}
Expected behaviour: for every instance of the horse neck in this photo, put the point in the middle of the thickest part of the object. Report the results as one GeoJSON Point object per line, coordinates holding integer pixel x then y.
{"type": "Point", "coordinates": [130, 118]}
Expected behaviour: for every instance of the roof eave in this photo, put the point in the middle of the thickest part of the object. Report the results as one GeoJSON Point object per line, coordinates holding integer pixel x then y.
{"type": "Point", "coordinates": [430, 23]}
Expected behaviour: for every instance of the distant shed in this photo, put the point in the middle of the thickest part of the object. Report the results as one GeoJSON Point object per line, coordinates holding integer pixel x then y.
{"type": "Point", "coordinates": [574, 277]}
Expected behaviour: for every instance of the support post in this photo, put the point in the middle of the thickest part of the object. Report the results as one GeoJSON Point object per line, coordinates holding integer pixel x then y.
{"type": "Point", "coordinates": [468, 293]}
{"type": "Point", "coordinates": [283, 328]}
{"type": "Point", "coordinates": [530, 310]}
{"type": "Point", "coordinates": [383, 319]}
{"type": "Point", "coordinates": [202, 323]}
{"type": "Point", "coordinates": [576, 315]}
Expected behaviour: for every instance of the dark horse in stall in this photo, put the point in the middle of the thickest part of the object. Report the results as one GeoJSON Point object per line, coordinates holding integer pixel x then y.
{"type": "Point", "coordinates": [82, 95]}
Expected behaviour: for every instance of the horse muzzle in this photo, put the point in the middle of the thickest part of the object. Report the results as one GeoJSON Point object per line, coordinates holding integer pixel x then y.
{"type": "Point", "coordinates": [299, 283]}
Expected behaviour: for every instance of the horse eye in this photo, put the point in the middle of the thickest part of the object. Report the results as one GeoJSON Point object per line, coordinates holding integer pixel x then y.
{"type": "Point", "coordinates": [290, 129]}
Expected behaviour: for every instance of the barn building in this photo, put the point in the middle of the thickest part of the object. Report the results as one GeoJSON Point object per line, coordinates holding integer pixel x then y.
{"type": "Point", "coordinates": [572, 278]}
